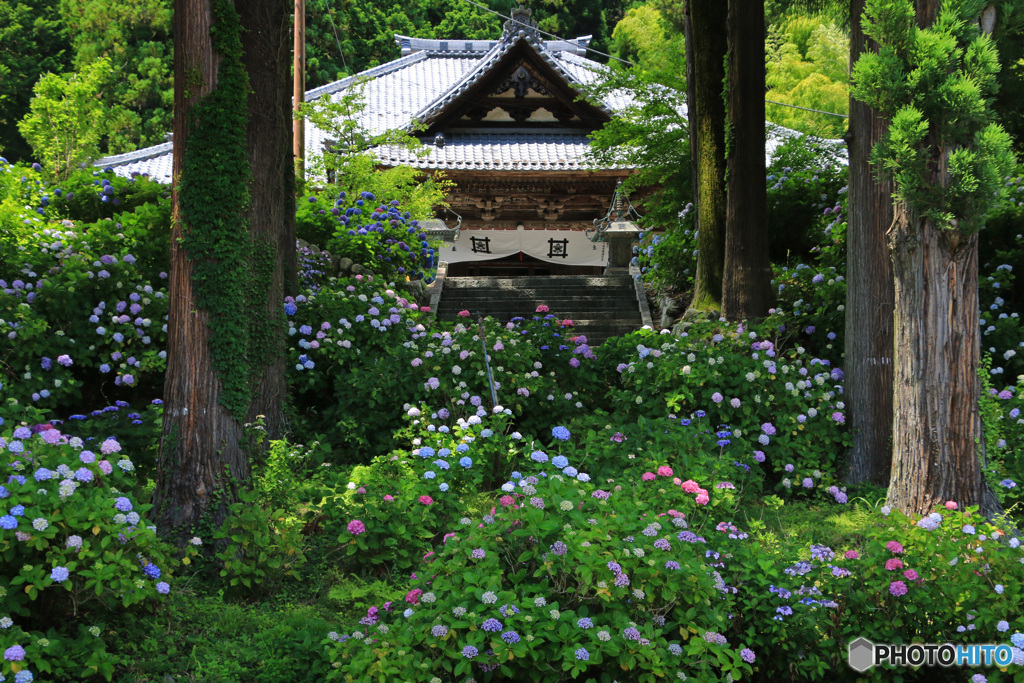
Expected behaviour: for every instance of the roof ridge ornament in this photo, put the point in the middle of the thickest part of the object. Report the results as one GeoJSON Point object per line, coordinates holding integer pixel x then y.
{"type": "Point", "coordinates": [520, 24]}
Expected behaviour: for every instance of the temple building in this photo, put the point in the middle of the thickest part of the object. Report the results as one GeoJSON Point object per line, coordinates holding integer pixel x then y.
{"type": "Point", "coordinates": [506, 122]}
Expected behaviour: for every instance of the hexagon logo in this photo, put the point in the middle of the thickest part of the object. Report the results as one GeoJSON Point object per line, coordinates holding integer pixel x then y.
{"type": "Point", "coordinates": [861, 655]}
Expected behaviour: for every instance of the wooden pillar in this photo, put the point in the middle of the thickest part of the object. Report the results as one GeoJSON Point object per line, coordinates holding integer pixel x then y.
{"type": "Point", "coordinates": [299, 88]}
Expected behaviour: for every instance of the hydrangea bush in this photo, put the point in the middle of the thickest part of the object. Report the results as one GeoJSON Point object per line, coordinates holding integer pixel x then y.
{"type": "Point", "coordinates": [75, 548]}
{"type": "Point", "coordinates": [376, 234]}
{"type": "Point", "coordinates": [784, 399]}
{"type": "Point", "coordinates": [565, 577]}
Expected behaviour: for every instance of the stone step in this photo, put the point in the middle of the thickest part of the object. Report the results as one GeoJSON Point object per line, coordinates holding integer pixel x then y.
{"type": "Point", "coordinates": [559, 282]}
{"type": "Point", "coordinates": [528, 307]}
{"type": "Point", "coordinates": [600, 306]}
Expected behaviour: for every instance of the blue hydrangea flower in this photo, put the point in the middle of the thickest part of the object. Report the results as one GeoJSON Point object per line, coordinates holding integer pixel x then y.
{"type": "Point", "coordinates": [60, 574]}
{"type": "Point", "coordinates": [151, 570]}
{"type": "Point", "coordinates": [561, 433]}
{"type": "Point", "coordinates": [465, 461]}
{"type": "Point", "coordinates": [462, 448]}
{"type": "Point", "coordinates": [469, 652]}
{"type": "Point", "coordinates": [18, 510]}
{"type": "Point", "coordinates": [8, 522]}
{"type": "Point", "coordinates": [560, 461]}
{"type": "Point", "coordinates": [510, 637]}
{"type": "Point", "coordinates": [582, 654]}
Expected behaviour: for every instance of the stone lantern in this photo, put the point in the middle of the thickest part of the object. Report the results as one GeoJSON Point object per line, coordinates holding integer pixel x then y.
{"type": "Point", "coordinates": [618, 231]}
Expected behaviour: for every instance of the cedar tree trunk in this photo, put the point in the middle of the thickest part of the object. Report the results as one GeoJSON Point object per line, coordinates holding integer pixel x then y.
{"type": "Point", "coordinates": [201, 439]}
{"type": "Point", "coordinates": [706, 52]}
{"type": "Point", "coordinates": [266, 41]}
{"type": "Point", "coordinates": [747, 282]}
{"type": "Point", "coordinates": [869, 290]}
{"type": "Point", "coordinates": [936, 422]}
{"type": "Point", "coordinates": [937, 432]}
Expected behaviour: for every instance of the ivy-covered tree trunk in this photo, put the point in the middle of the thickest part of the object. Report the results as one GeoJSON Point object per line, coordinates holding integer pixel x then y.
{"type": "Point", "coordinates": [205, 398]}
{"type": "Point", "coordinates": [937, 425]}
{"type": "Point", "coordinates": [869, 290]}
{"type": "Point", "coordinates": [747, 281]}
{"type": "Point", "coordinates": [266, 41]}
{"type": "Point", "coordinates": [706, 52]}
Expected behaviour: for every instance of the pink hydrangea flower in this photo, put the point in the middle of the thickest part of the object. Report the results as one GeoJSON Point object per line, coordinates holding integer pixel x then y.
{"type": "Point", "coordinates": [426, 500]}
{"type": "Point", "coordinates": [463, 314]}
{"type": "Point", "coordinates": [898, 588]}
{"type": "Point", "coordinates": [951, 505]}
{"type": "Point", "coordinates": [355, 527]}
{"type": "Point", "coordinates": [852, 555]}
{"type": "Point", "coordinates": [677, 481]}
{"type": "Point", "coordinates": [388, 497]}
{"type": "Point", "coordinates": [105, 466]}
{"type": "Point", "coordinates": [506, 501]}
{"type": "Point", "coordinates": [361, 489]}
{"type": "Point", "coordinates": [702, 497]}
{"type": "Point", "coordinates": [690, 486]}
{"type": "Point", "coordinates": [894, 546]}
{"type": "Point", "coordinates": [893, 564]}
{"type": "Point", "coordinates": [648, 476]}
{"type": "Point", "coordinates": [543, 309]}
{"type": "Point", "coordinates": [413, 596]}
{"type": "Point", "coordinates": [567, 323]}
{"type": "Point", "coordinates": [664, 471]}
{"type": "Point", "coordinates": [911, 575]}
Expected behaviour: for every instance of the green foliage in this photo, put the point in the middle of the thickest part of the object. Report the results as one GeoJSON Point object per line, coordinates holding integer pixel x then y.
{"type": "Point", "coordinates": [806, 217]}
{"type": "Point", "coordinates": [1009, 39]}
{"type": "Point", "coordinates": [136, 36]}
{"type": "Point", "coordinates": [75, 552]}
{"type": "Point", "coordinates": [263, 545]}
{"type": "Point", "coordinates": [807, 66]}
{"type": "Point", "coordinates": [653, 44]}
{"type": "Point", "coordinates": [543, 566]}
{"type": "Point", "coordinates": [81, 290]}
{"type": "Point", "coordinates": [650, 135]}
{"type": "Point", "coordinates": [32, 43]}
{"type": "Point", "coordinates": [767, 388]}
{"type": "Point", "coordinates": [213, 195]}
{"type": "Point", "coordinates": [351, 168]}
{"type": "Point", "coordinates": [68, 117]}
{"type": "Point", "coordinates": [934, 84]}
{"type": "Point", "coordinates": [378, 235]}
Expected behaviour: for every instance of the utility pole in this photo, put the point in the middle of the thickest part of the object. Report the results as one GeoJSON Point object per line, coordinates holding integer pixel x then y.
{"type": "Point", "coordinates": [299, 90]}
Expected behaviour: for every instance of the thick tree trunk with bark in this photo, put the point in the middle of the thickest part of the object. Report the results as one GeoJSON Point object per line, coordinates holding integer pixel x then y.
{"type": "Point", "coordinates": [266, 40]}
{"type": "Point", "coordinates": [706, 52]}
{"type": "Point", "coordinates": [200, 448]}
{"type": "Point", "coordinates": [938, 443]}
{"type": "Point", "coordinates": [869, 291]}
{"type": "Point", "coordinates": [936, 426]}
{"type": "Point", "coordinates": [747, 282]}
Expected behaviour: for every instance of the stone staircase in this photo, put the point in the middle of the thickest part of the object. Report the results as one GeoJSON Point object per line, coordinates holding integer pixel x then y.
{"type": "Point", "coordinates": [601, 306]}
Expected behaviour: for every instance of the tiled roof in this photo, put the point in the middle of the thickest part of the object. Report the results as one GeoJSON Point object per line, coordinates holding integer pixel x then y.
{"type": "Point", "coordinates": [419, 85]}
{"type": "Point", "coordinates": [497, 150]}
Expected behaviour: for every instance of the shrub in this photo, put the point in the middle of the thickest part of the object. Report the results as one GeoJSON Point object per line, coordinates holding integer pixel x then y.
{"type": "Point", "coordinates": [377, 235]}
{"type": "Point", "coordinates": [565, 579]}
{"type": "Point", "coordinates": [75, 548]}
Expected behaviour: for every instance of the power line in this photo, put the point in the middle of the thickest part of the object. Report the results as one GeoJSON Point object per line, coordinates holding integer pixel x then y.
{"type": "Point", "coordinates": [336, 39]}
{"type": "Point", "coordinates": [626, 61]}
{"type": "Point", "coordinates": [817, 111]}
